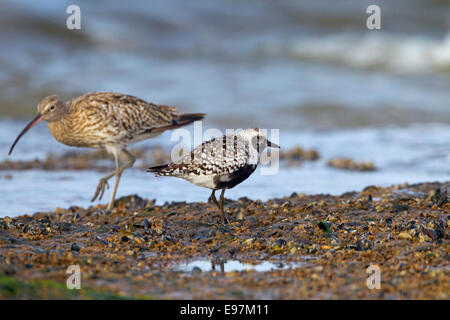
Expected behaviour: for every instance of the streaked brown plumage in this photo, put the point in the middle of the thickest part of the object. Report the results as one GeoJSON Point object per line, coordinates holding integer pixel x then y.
{"type": "Point", "coordinates": [107, 120]}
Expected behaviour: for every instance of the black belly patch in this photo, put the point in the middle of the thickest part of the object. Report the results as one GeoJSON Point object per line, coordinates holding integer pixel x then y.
{"type": "Point", "coordinates": [235, 177]}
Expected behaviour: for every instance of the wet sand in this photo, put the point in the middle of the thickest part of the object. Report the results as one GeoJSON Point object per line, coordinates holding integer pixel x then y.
{"type": "Point", "coordinates": [319, 247]}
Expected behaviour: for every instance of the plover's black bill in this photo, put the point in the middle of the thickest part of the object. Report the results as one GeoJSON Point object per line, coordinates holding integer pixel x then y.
{"type": "Point", "coordinates": [272, 145]}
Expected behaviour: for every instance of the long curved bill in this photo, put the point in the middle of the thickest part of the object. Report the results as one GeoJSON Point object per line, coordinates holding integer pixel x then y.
{"type": "Point", "coordinates": [37, 119]}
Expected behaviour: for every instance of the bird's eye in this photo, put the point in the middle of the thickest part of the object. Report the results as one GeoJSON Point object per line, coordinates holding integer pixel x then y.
{"type": "Point", "coordinates": [52, 108]}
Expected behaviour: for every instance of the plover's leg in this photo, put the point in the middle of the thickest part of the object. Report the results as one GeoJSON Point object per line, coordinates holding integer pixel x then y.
{"type": "Point", "coordinates": [119, 170]}
{"type": "Point", "coordinates": [222, 200]}
{"type": "Point", "coordinates": [214, 199]}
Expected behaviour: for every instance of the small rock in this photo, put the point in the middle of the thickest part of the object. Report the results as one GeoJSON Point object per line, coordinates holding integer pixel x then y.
{"type": "Point", "coordinates": [196, 270]}
{"type": "Point", "coordinates": [171, 213]}
{"type": "Point", "coordinates": [75, 247]}
{"type": "Point", "coordinates": [423, 237]}
{"type": "Point", "coordinates": [438, 226]}
{"type": "Point", "coordinates": [240, 215]}
{"type": "Point", "coordinates": [399, 208]}
{"type": "Point", "coordinates": [312, 248]}
{"type": "Point", "coordinates": [335, 241]}
{"type": "Point", "coordinates": [405, 236]}
{"type": "Point", "coordinates": [363, 244]}
{"type": "Point", "coordinates": [132, 202]}
{"type": "Point", "coordinates": [7, 270]}
{"type": "Point", "coordinates": [350, 164]}
{"type": "Point", "coordinates": [280, 242]}
{"type": "Point", "coordinates": [388, 222]}
{"type": "Point", "coordinates": [7, 223]}
{"type": "Point", "coordinates": [103, 241]}
{"type": "Point", "coordinates": [145, 224]}
{"type": "Point", "coordinates": [287, 204]}
{"type": "Point", "coordinates": [439, 198]}
{"type": "Point", "coordinates": [324, 226]}
{"type": "Point", "coordinates": [166, 238]}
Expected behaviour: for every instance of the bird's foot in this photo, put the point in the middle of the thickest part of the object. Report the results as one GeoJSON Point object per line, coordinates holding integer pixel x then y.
{"type": "Point", "coordinates": [224, 228]}
{"type": "Point", "coordinates": [102, 185]}
{"type": "Point", "coordinates": [110, 206]}
{"type": "Point", "coordinates": [225, 220]}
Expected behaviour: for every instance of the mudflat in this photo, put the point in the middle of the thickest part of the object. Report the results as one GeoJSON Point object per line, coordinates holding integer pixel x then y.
{"type": "Point", "coordinates": [295, 247]}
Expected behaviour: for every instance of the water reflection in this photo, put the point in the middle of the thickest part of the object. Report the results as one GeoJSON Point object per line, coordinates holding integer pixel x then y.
{"type": "Point", "coordinates": [224, 266]}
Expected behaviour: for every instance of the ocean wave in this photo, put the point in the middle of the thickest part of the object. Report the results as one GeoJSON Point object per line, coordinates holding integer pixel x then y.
{"type": "Point", "coordinates": [409, 54]}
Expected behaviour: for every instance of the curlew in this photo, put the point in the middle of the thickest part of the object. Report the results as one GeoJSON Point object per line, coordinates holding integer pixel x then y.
{"type": "Point", "coordinates": [220, 163]}
{"type": "Point", "coordinates": [109, 121]}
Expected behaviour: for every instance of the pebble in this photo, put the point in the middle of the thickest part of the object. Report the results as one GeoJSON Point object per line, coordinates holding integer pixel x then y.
{"type": "Point", "coordinates": [280, 242]}
{"type": "Point", "coordinates": [405, 236]}
{"type": "Point", "coordinates": [363, 244]}
{"type": "Point", "coordinates": [75, 247]}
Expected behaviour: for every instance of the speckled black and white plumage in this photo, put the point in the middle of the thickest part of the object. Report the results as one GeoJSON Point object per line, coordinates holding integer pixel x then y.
{"type": "Point", "coordinates": [220, 163]}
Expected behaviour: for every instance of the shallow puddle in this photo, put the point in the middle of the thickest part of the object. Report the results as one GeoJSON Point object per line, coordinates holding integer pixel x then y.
{"type": "Point", "coordinates": [204, 265]}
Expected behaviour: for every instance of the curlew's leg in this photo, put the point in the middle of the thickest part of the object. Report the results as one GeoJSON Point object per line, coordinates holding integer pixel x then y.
{"type": "Point", "coordinates": [118, 174]}
{"type": "Point", "coordinates": [103, 182]}
{"type": "Point", "coordinates": [102, 185]}
{"type": "Point", "coordinates": [130, 160]}
{"type": "Point", "coordinates": [119, 170]}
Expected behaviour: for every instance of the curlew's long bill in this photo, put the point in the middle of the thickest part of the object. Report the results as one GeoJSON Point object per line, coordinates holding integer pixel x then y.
{"type": "Point", "coordinates": [110, 121]}
{"type": "Point", "coordinates": [220, 163]}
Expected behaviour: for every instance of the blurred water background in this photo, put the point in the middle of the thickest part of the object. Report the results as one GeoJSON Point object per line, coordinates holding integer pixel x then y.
{"type": "Point", "coordinates": [310, 68]}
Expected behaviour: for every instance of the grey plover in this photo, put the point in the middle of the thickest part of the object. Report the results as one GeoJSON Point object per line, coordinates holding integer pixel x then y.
{"type": "Point", "coordinates": [220, 163]}
{"type": "Point", "coordinates": [107, 120]}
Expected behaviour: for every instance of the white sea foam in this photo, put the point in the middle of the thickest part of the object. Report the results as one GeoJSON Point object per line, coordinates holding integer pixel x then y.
{"type": "Point", "coordinates": [402, 53]}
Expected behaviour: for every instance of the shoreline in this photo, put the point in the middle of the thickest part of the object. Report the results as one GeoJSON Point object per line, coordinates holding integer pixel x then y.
{"type": "Point", "coordinates": [318, 247]}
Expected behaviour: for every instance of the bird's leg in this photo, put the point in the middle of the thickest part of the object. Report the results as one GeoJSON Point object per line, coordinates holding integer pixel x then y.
{"type": "Point", "coordinates": [214, 199]}
{"type": "Point", "coordinates": [116, 183]}
{"type": "Point", "coordinates": [222, 200]}
{"type": "Point", "coordinates": [219, 204]}
{"type": "Point", "coordinates": [119, 170]}
{"type": "Point", "coordinates": [102, 185]}
{"type": "Point", "coordinates": [129, 161]}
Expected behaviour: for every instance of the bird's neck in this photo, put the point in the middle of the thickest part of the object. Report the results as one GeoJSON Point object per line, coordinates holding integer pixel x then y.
{"type": "Point", "coordinates": [253, 155]}
{"type": "Point", "coordinates": [61, 129]}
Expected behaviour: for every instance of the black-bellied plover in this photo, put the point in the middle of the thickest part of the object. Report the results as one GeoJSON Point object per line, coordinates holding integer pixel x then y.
{"type": "Point", "coordinates": [110, 121]}
{"type": "Point", "coordinates": [220, 163]}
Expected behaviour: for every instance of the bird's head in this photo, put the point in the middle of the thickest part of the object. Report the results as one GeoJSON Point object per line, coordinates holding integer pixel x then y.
{"type": "Point", "coordinates": [257, 139]}
{"type": "Point", "coordinates": [49, 109]}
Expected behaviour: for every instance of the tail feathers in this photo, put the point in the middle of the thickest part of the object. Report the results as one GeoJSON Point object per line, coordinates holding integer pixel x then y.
{"type": "Point", "coordinates": [190, 117]}
{"type": "Point", "coordinates": [183, 119]}
{"type": "Point", "coordinates": [157, 168]}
